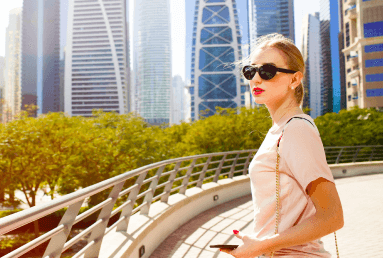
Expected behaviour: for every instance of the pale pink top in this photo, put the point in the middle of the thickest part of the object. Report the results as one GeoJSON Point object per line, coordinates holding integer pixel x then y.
{"type": "Point", "coordinates": [302, 161]}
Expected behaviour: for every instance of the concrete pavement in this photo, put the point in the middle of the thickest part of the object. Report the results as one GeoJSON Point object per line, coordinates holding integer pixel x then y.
{"type": "Point", "coordinates": [361, 236]}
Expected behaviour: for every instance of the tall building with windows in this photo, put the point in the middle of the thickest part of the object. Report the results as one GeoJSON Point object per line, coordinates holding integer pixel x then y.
{"type": "Point", "coordinates": [311, 51]}
{"type": "Point", "coordinates": [216, 44]}
{"type": "Point", "coordinates": [271, 16]}
{"type": "Point", "coordinates": [329, 32]}
{"type": "Point", "coordinates": [96, 59]}
{"type": "Point", "coordinates": [363, 42]}
{"type": "Point", "coordinates": [40, 55]}
{"type": "Point", "coordinates": [152, 61]}
{"type": "Point", "coordinates": [12, 89]}
{"type": "Point", "coordinates": [177, 99]}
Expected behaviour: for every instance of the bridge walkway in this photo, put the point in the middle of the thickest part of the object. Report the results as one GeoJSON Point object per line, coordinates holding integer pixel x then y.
{"type": "Point", "coordinates": [361, 236]}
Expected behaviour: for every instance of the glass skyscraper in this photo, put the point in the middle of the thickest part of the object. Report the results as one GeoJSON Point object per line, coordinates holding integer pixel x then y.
{"type": "Point", "coordinates": [96, 58]}
{"type": "Point", "coordinates": [311, 50]}
{"type": "Point", "coordinates": [40, 55]}
{"type": "Point", "coordinates": [329, 34]}
{"type": "Point", "coordinates": [271, 16]}
{"type": "Point", "coordinates": [216, 44]}
{"type": "Point", "coordinates": [152, 61]}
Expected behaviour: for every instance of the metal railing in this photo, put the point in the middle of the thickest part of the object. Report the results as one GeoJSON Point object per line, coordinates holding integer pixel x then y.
{"type": "Point", "coordinates": [136, 190]}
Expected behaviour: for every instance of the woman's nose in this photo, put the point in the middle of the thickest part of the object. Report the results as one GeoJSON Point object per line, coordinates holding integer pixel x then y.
{"type": "Point", "coordinates": [256, 79]}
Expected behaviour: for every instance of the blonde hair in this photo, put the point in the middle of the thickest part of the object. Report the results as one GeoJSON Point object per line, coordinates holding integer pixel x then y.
{"type": "Point", "coordinates": [294, 58]}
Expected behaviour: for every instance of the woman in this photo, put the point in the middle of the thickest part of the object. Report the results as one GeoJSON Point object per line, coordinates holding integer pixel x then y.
{"type": "Point", "coordinates": [309, 205]}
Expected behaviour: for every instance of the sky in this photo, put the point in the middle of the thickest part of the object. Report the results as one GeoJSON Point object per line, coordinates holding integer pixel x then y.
{"type": "Point", "coordinates": [177, 10]}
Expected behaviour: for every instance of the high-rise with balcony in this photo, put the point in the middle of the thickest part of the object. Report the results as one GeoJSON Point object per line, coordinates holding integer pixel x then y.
{"type": "Point", "coordinates": [311, 51]}
{"type": "Point", "coordinates": [216, 44]}
{"type": "Point", "coordinates": [12, 89]}
{"type": "Point", "coordinates": [96, 57]}
{"type": "Point", "coordinates": [271, 16]}
{"type": "Point", "coordinates": [363, 42]}
{"type": "Point", "coordinates": [152, 61]}
{"type": "Point", "coordinates": [40, 55]}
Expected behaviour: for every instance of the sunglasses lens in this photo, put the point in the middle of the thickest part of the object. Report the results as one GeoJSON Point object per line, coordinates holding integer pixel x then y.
{"type": "Point", "coordinates": [249, 72]}
{"type": "Point", "coordinates": [267, 72]}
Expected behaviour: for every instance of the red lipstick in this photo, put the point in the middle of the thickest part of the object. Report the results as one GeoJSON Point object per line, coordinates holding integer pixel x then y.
{"type": "Point", "coordinates": [257, 91]}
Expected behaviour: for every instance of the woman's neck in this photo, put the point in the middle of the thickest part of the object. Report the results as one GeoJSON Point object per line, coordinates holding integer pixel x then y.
{"type": "Point", "coordinates": [286, 109]}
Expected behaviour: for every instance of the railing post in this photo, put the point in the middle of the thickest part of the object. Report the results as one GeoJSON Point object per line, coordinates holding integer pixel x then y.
{"type": "Point", "coordinates": [372, 154]}
{"type": "Point", "coordinates": [218, 171]}
{"type": "Point", "coordinates": [355, 155]}
{"type": "Point", "coordinates": [99, 231]}
{"type": "Point", "coordinates": [245, 168]}
{"type": "Point", "coordinates": [168, 187]}
{"type": "Point", "coordinates": [203, 172]}
{"type": "Point", "coordinates": [338, 158]}
{"type": "Point", "coordinates": [149, 196]}
{"type": "Point", "coordinates": [57, 242]}
{"type": "Point", "coordinates": [187, 177]}
{"type": "Point", "coordinates": [233, 166]}
{"type": "Point", "coordinates": [127, 210]}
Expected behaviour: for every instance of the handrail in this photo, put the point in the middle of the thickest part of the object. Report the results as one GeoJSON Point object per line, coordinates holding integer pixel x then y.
{"type": "Point", "coordinates": [182, 173]}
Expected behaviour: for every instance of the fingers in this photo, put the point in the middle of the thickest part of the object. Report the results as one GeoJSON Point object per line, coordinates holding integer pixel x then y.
{"type": "Point", "coordinates": [238, 234]}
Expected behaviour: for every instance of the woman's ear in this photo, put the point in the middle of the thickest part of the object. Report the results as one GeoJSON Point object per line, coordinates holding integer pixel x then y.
{"type": "Point", "coordinates": [296, 79]}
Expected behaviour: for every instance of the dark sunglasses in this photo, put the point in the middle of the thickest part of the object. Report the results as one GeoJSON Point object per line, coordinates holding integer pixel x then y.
{"type": "Point", "coordinates": [266, 72]}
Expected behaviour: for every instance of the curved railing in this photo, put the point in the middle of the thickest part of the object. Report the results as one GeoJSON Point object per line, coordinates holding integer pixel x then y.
{"type": "Point", "coordinates": [136, 190]}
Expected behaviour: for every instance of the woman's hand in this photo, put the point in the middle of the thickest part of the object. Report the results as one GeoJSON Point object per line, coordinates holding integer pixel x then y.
{"type": "Point", "coordinates": [252, 246]}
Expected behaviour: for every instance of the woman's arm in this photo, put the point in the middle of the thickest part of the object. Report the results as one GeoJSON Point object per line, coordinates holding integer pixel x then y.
{"type": "Point", "coordinates": [327, 219]}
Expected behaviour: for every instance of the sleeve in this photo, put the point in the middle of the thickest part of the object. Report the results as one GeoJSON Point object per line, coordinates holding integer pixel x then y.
{"type": "Point", "coordinates": [302, 152]}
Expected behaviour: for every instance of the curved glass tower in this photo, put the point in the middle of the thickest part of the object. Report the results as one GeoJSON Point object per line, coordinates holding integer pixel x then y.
{"type": "Point", "coordinates": [215, 82]}
{"type": "Point", "coordinates": [152, 61]}
{"type": "Point", "coordinates": [96, 60]}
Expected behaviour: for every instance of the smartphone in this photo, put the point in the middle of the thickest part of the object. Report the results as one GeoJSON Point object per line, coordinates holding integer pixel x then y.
{"type": "Point", "coordinates": [232, 247]}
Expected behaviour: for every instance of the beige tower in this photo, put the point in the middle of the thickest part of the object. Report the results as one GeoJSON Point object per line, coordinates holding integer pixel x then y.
{"type": "Point", "coordinates": [363, 42]}
{"type": "Point", "coordinates": [12, 89]}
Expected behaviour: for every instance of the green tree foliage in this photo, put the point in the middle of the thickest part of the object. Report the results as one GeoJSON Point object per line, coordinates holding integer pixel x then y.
{"type": "Point", "coordinates": [69, 153]}
{"type": "Point", "coordinates": [350, 128]}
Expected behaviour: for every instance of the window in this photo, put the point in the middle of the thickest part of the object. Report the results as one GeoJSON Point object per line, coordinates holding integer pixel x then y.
{"type": "Point", "coordinates": [348, 84]}
{"type": "Point", "coordinates": [374, 62]}
{"type": "Point", "coordinates": [349, 97]}
{"type": "Point", "coordinates": [347, 34]}
{"type": "Point", "coordinates": [373, 48]}
{"type": "Point", "coordinates": [374, 92]}
{"type": "Point", "coordinates": [349, 70]}
{"type": "Point", "coordinates": [373, 29]}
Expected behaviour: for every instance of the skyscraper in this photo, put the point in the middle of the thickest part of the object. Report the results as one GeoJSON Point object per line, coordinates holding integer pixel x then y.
{"type": "Point", "coordinates": [216, 44]}
{"type": "Point", "coordinates": [271, 16]}
{"type": "Point", "coordinates": [311, 51]}
{"type": "Point", "coordinates": [40, 55]}
{"type": "Point", "coordinates": [12, 89]}
{"type": "Point", "coordinates": [152, 61]}
{"type": "Point", "coordinates": [329, 30]}
{"type": "Point", "coordinates": [96, 58]}
{"type": "Point", "coordinates": [363, 42]}
{"type": "Point", "coordinates": [177, 99]}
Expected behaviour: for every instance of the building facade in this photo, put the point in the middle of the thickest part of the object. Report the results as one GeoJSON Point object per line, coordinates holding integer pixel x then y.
{"type": "Point", "coordinates": [40, 55]}
{"type": "Point", "coordinates": [271, 16]}
{"type": "Point", "coordinates": [311, 51]}
{"type": "Point", "coordinates": [216, 44]}
{"type": "Point", "coordinates": [363, 50]}
{"type": "Point", "coordinates": [12, 88]}
{"type": "Point", "coordinates": [96, 59]}
{"type": "Point", "coordinates": [329, 33]}
{"type": "Point", "coordinates": [152, 61]}
{"type": "Point", "coordinates": [177, 99]}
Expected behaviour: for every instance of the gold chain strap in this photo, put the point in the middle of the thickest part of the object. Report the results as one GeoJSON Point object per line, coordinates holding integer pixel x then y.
{"type": "Point", "coordinates": [277, 190]}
